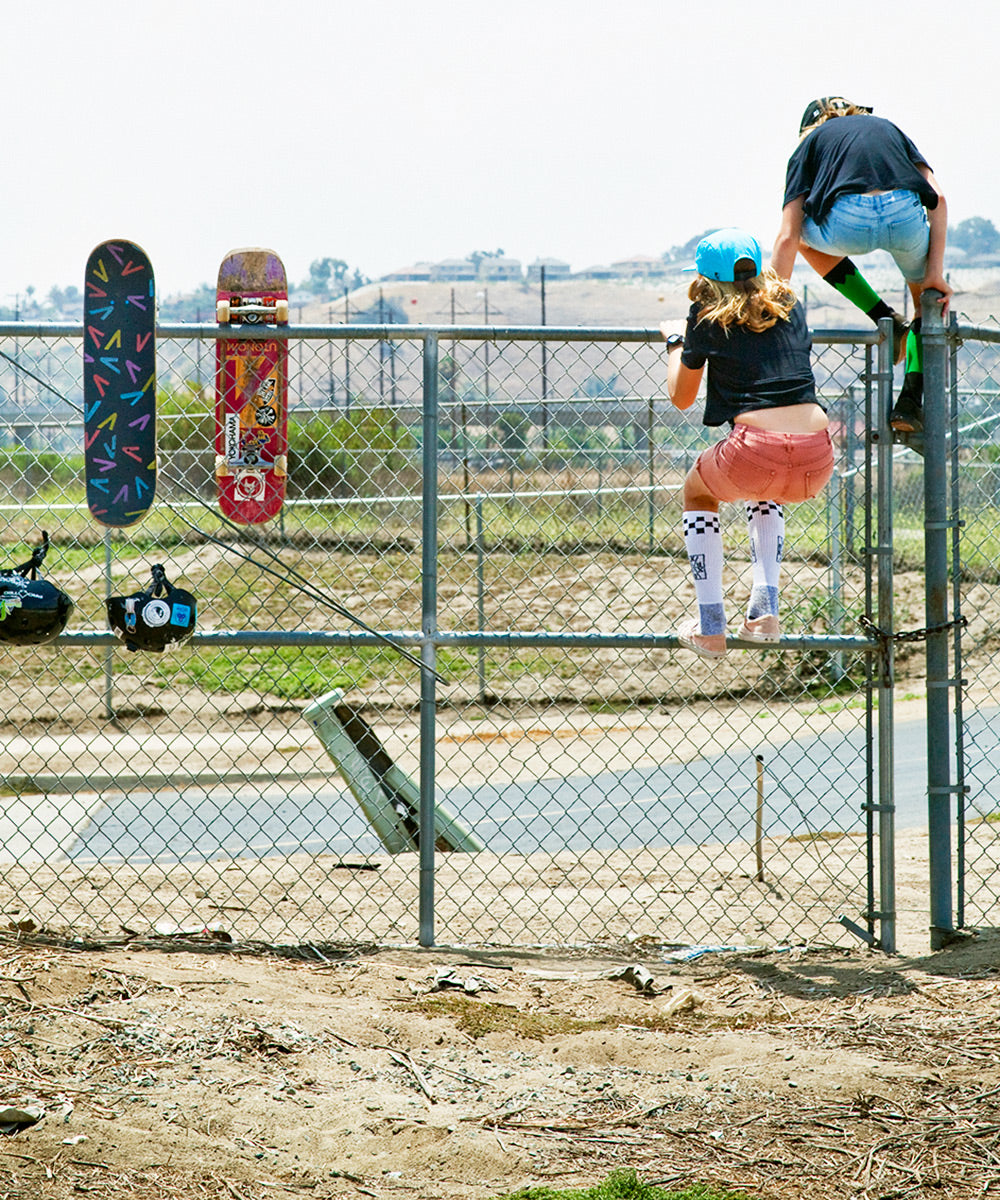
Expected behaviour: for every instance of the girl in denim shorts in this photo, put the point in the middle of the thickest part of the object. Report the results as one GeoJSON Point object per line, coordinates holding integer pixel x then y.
{"type": "Point", "coordinates": [746, 325]}
{"type": "Point", "coordinates": [854, 184]}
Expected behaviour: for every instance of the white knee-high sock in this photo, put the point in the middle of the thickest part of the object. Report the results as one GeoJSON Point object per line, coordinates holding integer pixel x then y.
{"type": "Point", "coordinates": [766, 525]}
{"type": "Point", "coordinates": [703, 542]}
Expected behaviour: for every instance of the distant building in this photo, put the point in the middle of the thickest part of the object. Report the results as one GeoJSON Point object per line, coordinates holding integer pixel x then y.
{"type": "Point", "coordinates": [555, 268]}
{"type": "Point", "coordinates": [453, 270]}
{"type": "Point", "coordinates": [501, 269]}
{"type": "Point", "coordinates": [418, 273]}
{"type": "Point", "coordinates": [639, 266]}
{"type": "Point", "coordinates": [595, 272]}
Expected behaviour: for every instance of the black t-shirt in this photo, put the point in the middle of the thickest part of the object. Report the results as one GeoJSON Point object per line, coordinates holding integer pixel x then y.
{"type": "Point", "coordinates": [747, 370]}
{"type": "Point", "coordinates": [855, 154]}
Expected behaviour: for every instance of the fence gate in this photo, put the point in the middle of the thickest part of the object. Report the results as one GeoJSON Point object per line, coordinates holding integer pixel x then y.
{"type": "Point", "coordinates": [504, 504]}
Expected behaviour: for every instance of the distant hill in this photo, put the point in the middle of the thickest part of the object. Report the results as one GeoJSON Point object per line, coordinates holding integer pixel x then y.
{"type": "Point", "coordinates": [630, 304]}
{"type": "Point", "coordinates": [616, 303]}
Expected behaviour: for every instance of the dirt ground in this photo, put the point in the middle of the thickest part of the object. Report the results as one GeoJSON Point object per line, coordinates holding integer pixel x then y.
{"type": "Point", "coordinates": [163, 1067]}
{"type": "Point", "coordinates": [200, 1070]}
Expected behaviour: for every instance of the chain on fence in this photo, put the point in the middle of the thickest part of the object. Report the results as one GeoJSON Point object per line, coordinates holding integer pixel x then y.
{"type": "Point", "coordinates": [604, 786]}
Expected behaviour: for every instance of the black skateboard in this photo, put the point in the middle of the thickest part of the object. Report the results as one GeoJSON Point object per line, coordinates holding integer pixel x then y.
{"type": "Point", "coordinates": [119, 383]}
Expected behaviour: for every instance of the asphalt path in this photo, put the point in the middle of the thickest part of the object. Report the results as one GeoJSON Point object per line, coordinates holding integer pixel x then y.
{"type": "Point", "coordinates": [810, 785]}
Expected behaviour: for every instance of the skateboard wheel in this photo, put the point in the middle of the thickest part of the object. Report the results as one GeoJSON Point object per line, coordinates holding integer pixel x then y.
{"type": "Point", "coordinates": [281, 312]}
{"type": "Point", "coordinates": [222, 312]}
{"type": "Point", "coordinates": [222, 467]}
{"type": "Point", "coordinates": [281, 465]}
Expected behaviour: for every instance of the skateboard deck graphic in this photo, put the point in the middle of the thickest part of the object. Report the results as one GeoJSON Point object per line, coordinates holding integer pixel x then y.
{"type": "Point", "coordinates": [251, 386]}
{"type": "Point", "coordinates": [119, 383]}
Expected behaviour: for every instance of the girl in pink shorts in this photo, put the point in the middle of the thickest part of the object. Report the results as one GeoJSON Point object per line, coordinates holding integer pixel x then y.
{"type": "Point", "coordinates": [746, 325]}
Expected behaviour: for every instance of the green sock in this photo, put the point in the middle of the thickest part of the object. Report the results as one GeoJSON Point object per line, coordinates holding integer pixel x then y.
{"type": "Point", "coordinates": [853, 286]}
{"type": "Point", "coordinates": [914, 350]}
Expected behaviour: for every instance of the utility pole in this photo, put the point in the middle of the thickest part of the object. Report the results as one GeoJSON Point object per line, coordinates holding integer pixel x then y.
{"type": "Point", "coordinates": [381, 350]}
{"type": "Point", "coordinates": [347, 355]}
{"type": "Point", "coordinates": [545, 375]}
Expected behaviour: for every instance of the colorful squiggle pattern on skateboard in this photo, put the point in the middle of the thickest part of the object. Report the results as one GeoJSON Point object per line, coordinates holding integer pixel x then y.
{"type": "Point", "coordinates": [119, 383]}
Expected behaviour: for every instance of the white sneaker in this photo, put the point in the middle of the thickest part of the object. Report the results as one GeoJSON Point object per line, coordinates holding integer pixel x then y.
{"type": "Point", "coordinates": [708, 645]}
{"type": "Point", "coordinates": [760, 629]}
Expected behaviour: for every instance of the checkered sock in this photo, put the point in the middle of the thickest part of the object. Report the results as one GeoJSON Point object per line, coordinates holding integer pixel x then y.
{"type": "Point", "coordinates": [766, 525]}
{"type": "Point", "coordinates": [703, 542]}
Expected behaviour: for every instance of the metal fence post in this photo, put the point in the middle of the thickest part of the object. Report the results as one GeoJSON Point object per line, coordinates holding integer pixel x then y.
{"type": "Point", "coordinates": [650, 474]}
{"type": "Point", "coordinates": [835, 522]}
{"type": "Point", "coordinates": [428, 649]}
{"type": "Point", "coordinates": [109, 652]}
{"type": "Point", "coordinates": [961, 789]}
{"type": "Point", "coordinates": [887, 660]}
{"type": "Point", "coordinates": [480, 599]}
{"type": "Point", "coordinates": [936, 527]}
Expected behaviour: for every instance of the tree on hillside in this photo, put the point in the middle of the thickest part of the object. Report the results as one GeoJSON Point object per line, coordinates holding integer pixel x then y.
{"type": "Point", "coordinates": [477, 256]}
{"type": "Point", "coordinates": [976, 236]}
{"type": "Point", "coordinates": [66, 298]}
{"type": "Point", "coordinates": [325, 273]}
{"type": "Point", "coordinates": [685, 253]}
{"type": "Point", "coordinates": [198, 305]}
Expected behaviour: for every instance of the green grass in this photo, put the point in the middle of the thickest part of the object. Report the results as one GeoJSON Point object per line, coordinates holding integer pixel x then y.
{"type": "Point", "coordinates": [288, 672]}
{"type": "Point", "coordinates": [622, 1185]}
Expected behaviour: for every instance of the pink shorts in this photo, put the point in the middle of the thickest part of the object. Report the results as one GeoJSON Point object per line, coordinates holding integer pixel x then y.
{"type": "Point", "coordinates": [759, 464]}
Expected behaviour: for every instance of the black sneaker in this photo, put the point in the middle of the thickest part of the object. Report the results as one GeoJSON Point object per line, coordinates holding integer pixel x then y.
{"type": "Point", "coordinates": [907, 414]}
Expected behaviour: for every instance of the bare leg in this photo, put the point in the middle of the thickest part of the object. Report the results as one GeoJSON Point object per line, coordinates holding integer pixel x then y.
{"type": "Point", "coordinates": [915, 297]}
{"type": "Point", "coordinates": [697, 498]}
{"type": "Point", "coordinates": [844, 277]}
{"type": "Point", "coordinates": [820, 262]}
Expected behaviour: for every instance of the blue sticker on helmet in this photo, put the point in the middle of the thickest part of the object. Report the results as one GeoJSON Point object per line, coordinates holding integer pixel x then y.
{"type": "Point", "coordinates": [181, 615]}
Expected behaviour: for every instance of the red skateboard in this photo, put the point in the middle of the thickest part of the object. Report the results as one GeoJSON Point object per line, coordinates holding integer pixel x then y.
{"type": "Point", "coordinates": [251, 387]}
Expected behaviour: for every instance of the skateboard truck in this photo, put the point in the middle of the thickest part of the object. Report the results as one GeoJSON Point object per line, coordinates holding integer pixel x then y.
{"type": "Point", "coordinates": [233, 466]}
{"type": "Point", "coordinates": [253, 310]}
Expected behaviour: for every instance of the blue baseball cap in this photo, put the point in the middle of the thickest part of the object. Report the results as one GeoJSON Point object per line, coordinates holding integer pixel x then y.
{"type": "Point", "coordinates": [717, 255]}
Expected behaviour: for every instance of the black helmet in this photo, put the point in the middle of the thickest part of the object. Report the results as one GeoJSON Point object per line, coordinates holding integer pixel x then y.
{"type": "Point", "coordinates": [32, 610]}
{"type": "Point", "coordinates": [155, 618]}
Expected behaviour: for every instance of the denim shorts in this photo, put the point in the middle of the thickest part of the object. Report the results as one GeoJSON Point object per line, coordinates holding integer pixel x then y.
{"type": "Point", "coordinates": [761, 464]}
{"type": "Point", "coordinates": [858, 224]}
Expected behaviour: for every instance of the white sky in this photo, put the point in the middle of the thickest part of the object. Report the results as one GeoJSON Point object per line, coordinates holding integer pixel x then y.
{"type": "Point", "coordinates": [386, 131]}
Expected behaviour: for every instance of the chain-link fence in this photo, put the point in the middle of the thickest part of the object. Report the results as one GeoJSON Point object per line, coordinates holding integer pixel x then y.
{"type": "Point", "coordinates": [974, 462]}
{"type": "Point", "coordinates": [503, 504]}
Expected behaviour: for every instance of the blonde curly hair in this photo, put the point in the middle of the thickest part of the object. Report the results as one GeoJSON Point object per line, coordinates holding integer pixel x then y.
{"type": "Point", "coordinates": [757, 303]}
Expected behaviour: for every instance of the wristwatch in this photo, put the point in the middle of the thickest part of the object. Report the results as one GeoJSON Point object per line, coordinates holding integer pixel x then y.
{"type": "Point", "coordinates": [673, 340]}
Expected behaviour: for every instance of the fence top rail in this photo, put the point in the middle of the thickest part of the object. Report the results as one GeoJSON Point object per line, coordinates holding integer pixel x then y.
{"type": "Point", "coordinates": [391, 332]}
{"type": "Point", "coordinates": [976, 333]}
